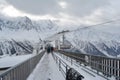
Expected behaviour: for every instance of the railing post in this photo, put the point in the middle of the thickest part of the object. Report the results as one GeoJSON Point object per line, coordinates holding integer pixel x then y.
{"type": "Point", "coordinates": [56, 59]}
{"type": "Point", "coordinates": [71, 61]}
{"type": "Point", "coordinates": [90, 60]}
{"type": "Point", "coordinates": [1, 78]}
{"type": "Point", "coordinates": [66, 69]}
{"type": "Point", "coordinates": [97, 65]}
{"type": "Point", "coordinates": [118, 69]}
{"type": "Point", "coordinates": [59, 65]}
{"type": "Point", "coordinates": [66, 72]}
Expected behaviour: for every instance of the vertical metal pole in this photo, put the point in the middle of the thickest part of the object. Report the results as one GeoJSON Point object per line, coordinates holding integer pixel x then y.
{"type": "Point", "coordinates": [59, 65]}
{"type": "Point", "coordinates": [71, 61]}
{"type": "Point", "coordinates": [63, 38]}
{"type": "Point", "coordinates": [118, 69]}
{"type": "Point", "coordinates": [106, 71]}
{"type": "Point", "coordinates": [109, 67]}
{"type": "Point", "coordinates": [97, 67]}
{"type": "Point", "coordinates": [112, 67]}
{"type": "Point", "coordinates": [66, 71]}
{"type": "Point", "coordinates": [115, 67]}
{"type": "Point", "coordinates": [58, 45]}
{"type": "Point", "coordinates": [90, 60]}
{"type": "Point", "coordinates": [104, 66]}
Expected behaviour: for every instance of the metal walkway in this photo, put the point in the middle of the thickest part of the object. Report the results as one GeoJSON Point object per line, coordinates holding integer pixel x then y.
{"type": "Point", "coordinates": [46, 70]}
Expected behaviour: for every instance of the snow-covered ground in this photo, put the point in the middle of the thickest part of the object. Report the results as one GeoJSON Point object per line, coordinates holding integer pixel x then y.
{"type": "Point", "coordinates": [46, 70]}
{"type": "Point", "coordinates": [10, 61]}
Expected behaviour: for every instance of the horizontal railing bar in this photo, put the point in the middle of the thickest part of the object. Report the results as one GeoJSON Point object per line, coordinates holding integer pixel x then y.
{"type": "Point", "coordinates": [106, 65]}
{"type": "Point", "coordinates": [76, 53]}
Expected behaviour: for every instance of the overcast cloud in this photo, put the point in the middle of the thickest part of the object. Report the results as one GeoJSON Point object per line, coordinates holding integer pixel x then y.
{"type": "Point", "coordinates": [37, 7]}
{"type": "Point", "coordinates": [73, 7]}
{"type": "Point", "coordinates": [82, 11]}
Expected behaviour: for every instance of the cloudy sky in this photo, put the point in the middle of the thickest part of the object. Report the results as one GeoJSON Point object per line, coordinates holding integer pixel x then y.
{"type": "Point", "coordinates": [74, 11]}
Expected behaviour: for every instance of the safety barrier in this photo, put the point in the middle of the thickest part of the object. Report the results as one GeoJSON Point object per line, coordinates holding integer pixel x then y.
{"type": "Point", "coordinates": [23, 70]}
{"type": "Point", "coordinates": [68, 72]}
{"type": "Point", "coordinates": [107, 66]}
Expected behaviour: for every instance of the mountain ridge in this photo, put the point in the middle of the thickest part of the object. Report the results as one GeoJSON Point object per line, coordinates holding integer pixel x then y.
{"type": "Point", "coordinates": [89, 40]}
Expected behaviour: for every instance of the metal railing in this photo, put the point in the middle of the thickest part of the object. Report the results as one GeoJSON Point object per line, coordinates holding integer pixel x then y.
{"type": "Point", "coordinates": [107, 66]}
{"type": "Point", "coordinates": [63, 67]}
{"type": "Point", "coordinates": [23, 70]}
{"type": "Point", "coordinates": [66, 70]}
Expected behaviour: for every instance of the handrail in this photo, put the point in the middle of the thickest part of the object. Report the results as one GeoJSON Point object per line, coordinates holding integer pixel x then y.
{"type": "Point", "coordinates": [66, 69]}
{"type": "Point", "coordinates": [61, 64]}
{"type": "Point", "coordinates": [22, 70]}
{"type": "Point", "coordinates": [78, 53]}
{"type": "Point", "coordinates": [107, 66]}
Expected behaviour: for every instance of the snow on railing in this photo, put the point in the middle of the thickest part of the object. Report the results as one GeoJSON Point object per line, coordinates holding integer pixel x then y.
{"type": "Point", "coordinates": [103, 66]}
{"type": "Point", "coordinates": [23, 70]}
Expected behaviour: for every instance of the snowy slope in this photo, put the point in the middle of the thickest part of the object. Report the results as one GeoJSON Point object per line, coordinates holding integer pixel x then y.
{"type": "Point", "coordinates": [23, 29]}
{"type": "Point", "coordinates": [25, 23]}
{"type": "Point", "coordinates": [101, 40]}
{"type": "Point", "coordinates": [96, 42]}
{"type": "Point", "coordinates": [10, 61]}
{"type": "Point", "coordinates": [9, 47]}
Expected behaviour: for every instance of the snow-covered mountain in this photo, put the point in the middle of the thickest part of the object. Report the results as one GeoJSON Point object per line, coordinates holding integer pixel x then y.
{"type": "Point", "coordinates": [24, 28]}
{"type": "Point", "coordinates": [24, 31]}
{"type": "Point", "coordinates": [10, 47]}
{"type": "Point", "coordinates": [95, 42]}
{"type": "Point", "coordinates": [25, 23]}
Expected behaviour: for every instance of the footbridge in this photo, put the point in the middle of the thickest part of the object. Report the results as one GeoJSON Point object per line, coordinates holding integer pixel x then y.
{"type": "Point", "coordinates": [62, 65]}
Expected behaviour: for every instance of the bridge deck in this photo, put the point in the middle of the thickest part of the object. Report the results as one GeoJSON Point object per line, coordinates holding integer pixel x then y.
{"type": "Point", "coordinates": [46, 70]}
